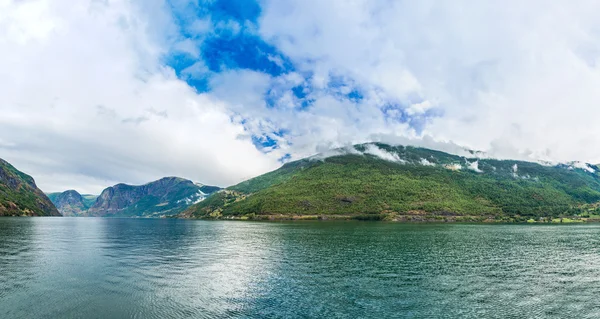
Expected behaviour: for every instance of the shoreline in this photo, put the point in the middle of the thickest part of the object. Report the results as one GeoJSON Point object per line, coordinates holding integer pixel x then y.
{"type": "Point", "coordinates": [401, 219]}
{"type": "Point", "coordinates": [408, 219]}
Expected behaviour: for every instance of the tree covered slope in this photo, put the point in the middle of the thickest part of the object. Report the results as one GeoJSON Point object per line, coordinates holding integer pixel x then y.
{"type": "Point", "coordinates": [167, 196]}
{"type": "Point", "coordinates": [19, 196]}
{"type": "Point", "coordinates": [378, 181]}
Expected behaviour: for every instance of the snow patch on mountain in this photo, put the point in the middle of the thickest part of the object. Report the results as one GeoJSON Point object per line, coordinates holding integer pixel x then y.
{"type": "Point", "coordinates": [195, 198]}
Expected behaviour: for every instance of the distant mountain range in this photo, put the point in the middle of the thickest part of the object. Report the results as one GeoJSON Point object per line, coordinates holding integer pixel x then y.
{"type": "Point", "coordinates": [70, 203]}
{"type": "Point", "coordinates": [19, 196]}
{"type": "Point", "coordinates": [167, 196]}
{"type": "Point", "coordinates": [370, 181]}
{"type": "Point", "coordinates": [376, 181]}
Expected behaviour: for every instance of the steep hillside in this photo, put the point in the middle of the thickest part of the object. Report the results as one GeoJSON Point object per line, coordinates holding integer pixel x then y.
{"type": "Point", "coordinates": [19, 196]}
{"type": "Point", "coordinates": [378, 181]}
{"type": "Point", "coordinates": [167, 196]}
{"type": "Point", "coordinates": [71, 203]}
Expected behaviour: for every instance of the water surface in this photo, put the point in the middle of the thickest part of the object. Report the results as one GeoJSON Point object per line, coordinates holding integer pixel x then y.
{"type": "Point", "coordinates": [152, 268]}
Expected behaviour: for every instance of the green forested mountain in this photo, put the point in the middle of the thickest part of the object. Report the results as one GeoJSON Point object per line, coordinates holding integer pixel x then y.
{"type": "Point", "coordinates": [166, 196]}
{"type": "Point", "coordinates": [378, 181]}
{"type": "Point", "coordinates": [19, 196]}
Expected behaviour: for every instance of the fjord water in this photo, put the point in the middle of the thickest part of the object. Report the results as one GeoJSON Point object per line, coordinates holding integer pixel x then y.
{"type": "Point", "coordinates": [157, 268]}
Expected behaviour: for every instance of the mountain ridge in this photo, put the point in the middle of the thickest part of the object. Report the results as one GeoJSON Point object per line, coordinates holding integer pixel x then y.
{"type": "Point", "coordinates": [166, 196]}
{"type": "Point", "coordinates": [380, 181]}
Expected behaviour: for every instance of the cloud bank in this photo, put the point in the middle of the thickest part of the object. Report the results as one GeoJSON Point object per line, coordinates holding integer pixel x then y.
{"type": "Point", "coordinates": [85, 102]}
{"type": "Point", "coordinates": [96, 92]}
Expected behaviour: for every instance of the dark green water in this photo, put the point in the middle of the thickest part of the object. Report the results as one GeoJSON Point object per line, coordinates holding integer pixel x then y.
{"type": "Point", "coordinates": [139, 268]}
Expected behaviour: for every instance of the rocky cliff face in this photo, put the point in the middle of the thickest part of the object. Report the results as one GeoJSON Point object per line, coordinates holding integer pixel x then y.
{"type": "Point", "coordinates": [19, 196]}
{"type": "Point", "coordinates": [71, 203]}
{"type": "Point", "coordinates": [167, 196]}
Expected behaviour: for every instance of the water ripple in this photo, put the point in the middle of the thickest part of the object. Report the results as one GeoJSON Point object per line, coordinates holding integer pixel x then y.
{"type": "Point", "coordinates": [120, 268]}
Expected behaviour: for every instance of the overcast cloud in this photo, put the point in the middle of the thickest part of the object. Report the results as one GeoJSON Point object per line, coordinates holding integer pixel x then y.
{"type": "Point", "coordinates": [94, 92]}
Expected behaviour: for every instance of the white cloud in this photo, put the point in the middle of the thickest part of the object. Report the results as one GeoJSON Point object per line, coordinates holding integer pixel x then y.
{"type": "Point", "coordinates": [453, 167]}
{"type": "Point", "coordinates": [328, 123]}
{"type": "Point", "coordinates": [85, 103]}
{"type": "Point", "coordinates": [584, 166]}
{"type": "Point", "coordinates": [383, 154]}
{"type": "Point", "coordinates": [85, 100]}
{"type": "Point", "coordinates": [516, 79]}
{"type": "Point", "coordinates": [474, 166]}
{"type": "Point", "coordinates": [426, 162]}
{"type": "Point", "coordinates": [419, 108]}
{"type": "Point", "coordinates": [348, 149]}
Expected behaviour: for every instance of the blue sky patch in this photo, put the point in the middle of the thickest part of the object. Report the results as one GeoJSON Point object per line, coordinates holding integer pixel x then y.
{"type": "Point", "coordinates": [244, 51]}
{"type": "Point", "coordinates": [269, 141]}
{"type": "Point", "coordinates": [264, 142]}
{"type": "Point", "coordinates": [183, 64]}
{"type": "Point", "coordinates": [344, 88]}
{"type": "Point", "coordinates": [186, 12]}
{"type": "Point", "coordinates": [239, 10]}
{"type": "Point", "coordinates": [224, 34]}
{"type": "Point", "coordinates": [397, 112]}
{"type": "Point", "coordinates": [285, 158]}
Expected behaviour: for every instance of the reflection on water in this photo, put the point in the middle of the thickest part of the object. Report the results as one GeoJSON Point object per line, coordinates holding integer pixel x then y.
{"type": "Point", "coordinates": [121, 268]}
{"type": "Point", "coordinates": [140, 268]}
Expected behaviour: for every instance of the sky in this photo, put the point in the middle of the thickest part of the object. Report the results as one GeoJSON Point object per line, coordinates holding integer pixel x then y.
{"type": "Point", "coordinates": [97, 92]}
